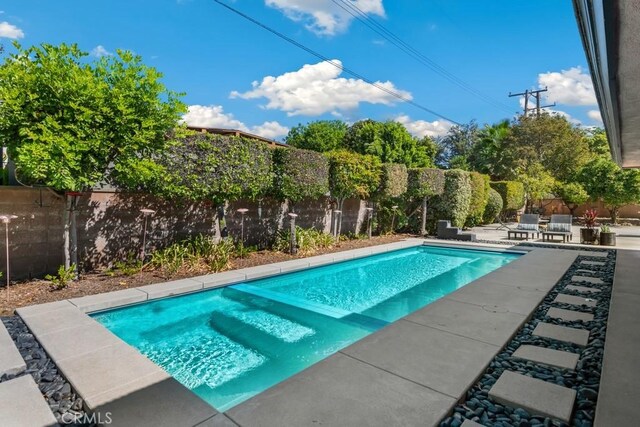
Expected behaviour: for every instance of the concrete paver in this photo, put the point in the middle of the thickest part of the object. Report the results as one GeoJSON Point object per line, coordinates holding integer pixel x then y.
{"type": "Point", "coordinates": [547, 356]}
{"type": "Point", "coordinates": [569, 315]}
{"type": "Point", "coordinates": [221, 279]}
{"type": "Point", "coordinates": [534, 395]}
{"type": "Point", "coordinates": [22, 404]}
{"type": "Point", "coordinates": [562, 333]}
{"type": "Point", "coordinates": [584, 289]}
{"type": "Point", "coordinates": [109, 300]}
{"type": "Point", "coordinates": [167, 289]}
{"type": "Point", "coordinates": [11, 362]}
{"type": "Point", "coordinates": [342, 391]}
{"type": "Point", "coordinates": [403, 347]}
{"type": "Point", "coordinates": [594, 280]}
{"type": "Point", "coordinates": [575, 300]}
{"type": "Point", "coordinates": [594, 263]}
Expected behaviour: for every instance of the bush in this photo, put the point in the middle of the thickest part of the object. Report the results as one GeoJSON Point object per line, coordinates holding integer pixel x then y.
{"type": "Point", "coordinates": [479, 197]}
{"type": "Point", "coordinates": [308, 240]}
{"type": "Point", "coordinates": [300, 174]}
{"type": "Point", "coordinates": [425, 182]}
{"type": "Point", "coordinates": [453, 204]}
{"type": "Point", "coordinates": [493, 208]}
{"type": "Point", "coordinates": [194, 252]}
{"type": "Point", "coordinates": [204, 167]}
{"type": "Point", "coordinates": [63, 278]}
{"type": "Point", "coordinates": [393, 180]}
{"type": "Point", "coordinates": [353, 175]}
{"type": "Point", "coordinates": [512, 193]}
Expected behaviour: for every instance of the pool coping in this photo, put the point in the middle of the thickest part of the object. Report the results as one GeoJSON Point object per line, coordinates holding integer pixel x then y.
{"type": "Point", "coordinates": [108, 373]}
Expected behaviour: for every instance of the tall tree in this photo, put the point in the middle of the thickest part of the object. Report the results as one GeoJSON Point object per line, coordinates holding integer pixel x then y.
{"type": "Point", "coordinates": [489, 155]}
{"type": "Point", "coordinates": [70, 124]}
{"type": "Point", "coordinates": [456, 146]}
{"type": "Point", "coordinates": [322, 135]}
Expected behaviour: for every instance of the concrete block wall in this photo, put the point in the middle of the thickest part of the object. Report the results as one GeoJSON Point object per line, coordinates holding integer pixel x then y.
{"type": "Point", "coordinates": [110, 225]}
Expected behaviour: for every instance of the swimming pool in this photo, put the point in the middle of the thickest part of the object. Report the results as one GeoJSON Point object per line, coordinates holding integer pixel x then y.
{"type": "Point", "coordinates": [228, 344]}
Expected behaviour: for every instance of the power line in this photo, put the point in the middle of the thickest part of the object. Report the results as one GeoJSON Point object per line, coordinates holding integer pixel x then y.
{"type": "Point", "coordinates": [339, 66]}
{"type": "Point", "coordinates": [378, 28]}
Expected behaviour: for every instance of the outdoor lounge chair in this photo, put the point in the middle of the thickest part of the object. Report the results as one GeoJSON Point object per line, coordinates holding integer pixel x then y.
{"type": "Point", "coordinates": [446, 231]}
{"type": "Point", "coordinates": [528, 225]}
{"type": "Point", "coordinates": [559, 225]}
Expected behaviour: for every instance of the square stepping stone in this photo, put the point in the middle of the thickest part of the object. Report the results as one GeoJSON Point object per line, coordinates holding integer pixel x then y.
{"type": "Point", "coordinates": [582, 289]}
{"type": "Point", "coordinates": [569, 315]}
{"type": "Point", "coordinates": [562, 333]}
{"type": "Point", "coordinates": [575, 300]}
{"type": "Point", "coordinates": [593, 263]}
{"type": "Point", "coordinates": [547, 356]}
{"type": "Point", "coordinates": [593, 254]}
{"type": "Point", "coordinates": [22, 404]}
{"type": "Point", "coordinates": [470, 423]}
{"type": "Point", "coordinates": [593, 280]}
{"type": "Point", "coordinates": [536, 396]}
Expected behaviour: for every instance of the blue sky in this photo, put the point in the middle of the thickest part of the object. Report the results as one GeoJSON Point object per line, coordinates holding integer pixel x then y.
{"type": "Point", "coordinates": [237, 75]}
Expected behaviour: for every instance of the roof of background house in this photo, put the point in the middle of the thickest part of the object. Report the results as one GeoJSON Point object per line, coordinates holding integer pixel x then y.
{"type": "Point", "coordinates": [610, 32]}
{"type": "Point", "coordinates": [238, 133]}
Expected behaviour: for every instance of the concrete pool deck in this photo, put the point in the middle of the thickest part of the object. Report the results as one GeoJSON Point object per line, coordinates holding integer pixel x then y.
{"type": "Point", "coordinates": [411, 372]}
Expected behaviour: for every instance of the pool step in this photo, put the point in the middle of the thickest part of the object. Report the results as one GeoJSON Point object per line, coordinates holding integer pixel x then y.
{"type": "Point", "coordinates": [536, 396]}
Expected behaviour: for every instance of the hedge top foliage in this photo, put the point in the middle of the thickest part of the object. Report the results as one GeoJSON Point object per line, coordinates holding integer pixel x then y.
{"type": "Point", "coordinates": [512, 193]}
{"type": "Point", "coordinates": [352, 174]}
{"type": "Point", "coordinates": [202, 166]}
{"type": "Point", "coordinates": [479, 198]}
{"type": "Point", "coordinates": [425, 182]}
{"type": "Point", "coordinates": [393, 181]}
{"type": "Point", "coordinates": [300, 174]}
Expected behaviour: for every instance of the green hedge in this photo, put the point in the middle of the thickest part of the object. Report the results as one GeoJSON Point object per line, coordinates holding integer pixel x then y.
{"type": "Point", "coordinates": [353, 175]}
{"type": "Point", "coordinates": [453, 204]}
{"type": "Point", "coordinates": [493, 208]}
{"type": "Point", "coordinates": [425, 182]}
{"type": "Point", "coordinates": [393, 180]}
{"type": "Point", "coordinates": [479, 197]}
{"type": "Point", "coordinates": [512, 193]}
{"type": "Point", "coordinates": [300, 174]}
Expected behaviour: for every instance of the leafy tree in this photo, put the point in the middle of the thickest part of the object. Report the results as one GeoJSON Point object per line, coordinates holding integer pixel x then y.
{"type": "Point", "coordinates": [572, 194]}
{"type": "Point", "coordinates": [456, 146]}
{"type": "Point", "coordinates": [479, 198]}
{"type": "Point", "coordinates": [538, 183]}
{"type": "Point", "coordinates": [390, 142]}
{"type": "Point", "coordinates": [423, 184]}
{"type": "Point", "coordinates": [603, 179]}
{"type": "Point", "coordinates": [549, 140]}
{"type": "Point", "coordinates": [70, 124]}
{"type": "Point", "coordinates": [352, 175]}
{"type": "Point", "coordinates": [393, 181]}
{"type": "Point", "coordinates": [489, 155]}
{"type": "Point", "coordinates": [322, 135]}
{"type": "Point", "coordinates": [598, 143]}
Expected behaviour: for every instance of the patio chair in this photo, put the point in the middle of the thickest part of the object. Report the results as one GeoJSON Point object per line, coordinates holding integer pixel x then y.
{"type": "Point", "coordinates": [446, 231]}
{"type": "Point", "coordinates": [559, 225]}
{"type": "Point", "coordinates": [528, 225]}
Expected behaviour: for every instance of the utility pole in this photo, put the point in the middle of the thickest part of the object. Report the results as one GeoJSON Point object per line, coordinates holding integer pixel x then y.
{"type": "Point", "coordinates": [532, 93]}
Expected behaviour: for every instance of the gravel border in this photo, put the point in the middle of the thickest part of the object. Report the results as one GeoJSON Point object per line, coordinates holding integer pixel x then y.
{"type": "Point", "coordinates": [63, 401]}
{"type": "Point", "coordinates": [585, 379]}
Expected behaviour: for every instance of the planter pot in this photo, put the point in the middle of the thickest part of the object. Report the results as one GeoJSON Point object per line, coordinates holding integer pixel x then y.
{"type": "Point", "coordinates": [608, 239]}
{"type": "Point", "coordinates": [589, 235]}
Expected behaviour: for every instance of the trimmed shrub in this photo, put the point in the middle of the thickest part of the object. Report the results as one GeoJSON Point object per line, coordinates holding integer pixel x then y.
{"type": "Point", "coordinates": [393, 180]}
{"type": "Point", "coordinates": [493, 208]}
{"type": "Point", "coordinates": [479, 197]}
{"type": "Point", "coordinates": [204, 167]}
{"type": "Point", "coordinates": [353, 175]}
{"type": "Point", "coordinates": [425, 182]}
{"type": "Point", "coordinates": [300, 174]}
{"type": "Point", "coordinates": [512, 193]}
{"type": "Point", "coordinates": [308, 240]}
{"type": "Point", "coordinates": [453, 204]}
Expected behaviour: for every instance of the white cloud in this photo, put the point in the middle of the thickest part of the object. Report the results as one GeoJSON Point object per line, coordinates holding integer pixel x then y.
{"type": "Point", "coordinates": [569, 87]}
{"type": "Point", "coordinates": [317, 89]}
{"type": "Point", "coordinates": [325, 17]}
{"type": "Point", "coordinates": [10, 31]}
{"type": "Point", "coordinates": [564, 114]}
{"type": "Point", "coordinates": [595, 115]}
{"type": "Point", "coordinates": [100, 51]}
{"type": "Point", "coordinates": [421, 128]}
{"type": "Point", "coordinates": [213, 116]}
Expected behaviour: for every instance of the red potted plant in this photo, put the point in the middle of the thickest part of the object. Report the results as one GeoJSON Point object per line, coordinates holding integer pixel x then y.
{"type": "Point", "coordinates": [589, 233]}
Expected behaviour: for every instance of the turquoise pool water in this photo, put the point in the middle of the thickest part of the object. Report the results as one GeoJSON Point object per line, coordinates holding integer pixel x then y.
{"type": "Point", "coordinates": [229, 344]}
